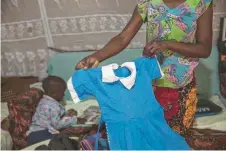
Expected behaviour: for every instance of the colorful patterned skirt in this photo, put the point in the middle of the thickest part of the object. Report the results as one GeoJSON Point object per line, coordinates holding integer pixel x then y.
{"type": "Point", "coordinates": [179, 111]}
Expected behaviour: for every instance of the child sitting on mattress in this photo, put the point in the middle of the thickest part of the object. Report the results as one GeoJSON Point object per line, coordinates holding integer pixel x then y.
{"type": "Point", "coordinates": [50, 115]}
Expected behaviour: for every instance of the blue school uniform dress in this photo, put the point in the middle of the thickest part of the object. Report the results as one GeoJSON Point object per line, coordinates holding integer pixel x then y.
{"type": "Point", "coordinates": [133, 117]}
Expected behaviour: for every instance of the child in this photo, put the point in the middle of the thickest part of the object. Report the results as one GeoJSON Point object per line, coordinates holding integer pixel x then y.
{"type": "Point", "coordinates": [50, 115]}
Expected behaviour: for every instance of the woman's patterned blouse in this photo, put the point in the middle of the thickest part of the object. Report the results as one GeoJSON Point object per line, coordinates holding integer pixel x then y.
{"type": "Point", "coordinates": [179, 24]}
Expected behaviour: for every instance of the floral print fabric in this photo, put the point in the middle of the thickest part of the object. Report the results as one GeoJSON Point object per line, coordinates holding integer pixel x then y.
{"type": "Point", "coordinates": [179, 106]}
{"type": "Point", "coordinates": [179, 111]}
{"type": "Point", "coordinates": [21, 111]}
{"type": "Point", "coordinates": [179, 24]}
{"type": "Point", "coordinates": [50, 115]}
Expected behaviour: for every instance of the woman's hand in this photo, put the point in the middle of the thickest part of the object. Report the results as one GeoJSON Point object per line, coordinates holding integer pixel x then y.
{"type": "Point", "coordinates": [88, 62]}
{"type": "Point", "coordinates": [153, 47]}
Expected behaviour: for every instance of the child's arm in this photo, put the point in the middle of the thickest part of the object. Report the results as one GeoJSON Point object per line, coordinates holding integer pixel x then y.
{"type": "Point", "coordinates": [58, 123]}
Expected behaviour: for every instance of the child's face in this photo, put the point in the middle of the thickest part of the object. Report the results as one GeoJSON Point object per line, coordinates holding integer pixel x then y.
{"type": "Point", "coordinates": [60, 93]}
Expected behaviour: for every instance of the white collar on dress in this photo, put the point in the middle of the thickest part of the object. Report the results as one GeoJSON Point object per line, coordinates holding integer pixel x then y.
{"type": "Point", "coordinates": [108, 75]}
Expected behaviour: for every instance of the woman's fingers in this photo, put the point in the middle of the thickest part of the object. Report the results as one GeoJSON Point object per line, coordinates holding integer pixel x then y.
{"type": "Point", "coordinates": [148, 50]}
{"type": "Point", "coordinates": [153, 50]}
{"type": "Point", "coordinates": [80, 65]}
{"type": "Point", "coordinates": [87, 63]}
{"type": "Point", "coordinates": [91, 63]}
{"type": "Point", "coordinates": [83, 64]}
{"type": "Point", "coordinates": [148, 47]}
{"type": "Point", "coordinates": [96, 63]}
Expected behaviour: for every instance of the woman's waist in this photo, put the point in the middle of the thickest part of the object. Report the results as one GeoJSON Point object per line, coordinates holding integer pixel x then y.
{"type": "Point", "coordinates": [171, 84]}
{"type": "Point", "coordinates": [178, 71]}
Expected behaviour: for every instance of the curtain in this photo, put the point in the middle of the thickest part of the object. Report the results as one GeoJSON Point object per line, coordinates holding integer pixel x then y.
{"type": "Point", "coordinates": [28, 27]}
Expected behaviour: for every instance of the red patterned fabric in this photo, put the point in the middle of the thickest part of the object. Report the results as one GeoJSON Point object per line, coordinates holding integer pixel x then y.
{"type": "Point", "coordinates": [21, 111]}
{"type": "Point", "coordinates": [168, 98]}
{"type": "Point", "coordinates": [179, 111]}
{"type": "Point", "coordinates": [206, 139]}
{"type": "Point", "coordinates": [179, 106]}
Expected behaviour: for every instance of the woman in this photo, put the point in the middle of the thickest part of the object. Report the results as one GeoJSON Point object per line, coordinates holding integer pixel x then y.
{"type": "Point", "coordinates": [178, 32]}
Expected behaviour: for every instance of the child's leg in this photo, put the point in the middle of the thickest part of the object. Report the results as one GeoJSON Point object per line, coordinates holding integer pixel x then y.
{"type": "Point", "coordinates": [36, 137]}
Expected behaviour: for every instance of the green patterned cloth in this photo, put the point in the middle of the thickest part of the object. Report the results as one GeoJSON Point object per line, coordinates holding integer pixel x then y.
{"type": "Point", "coordinates": [179, 24]}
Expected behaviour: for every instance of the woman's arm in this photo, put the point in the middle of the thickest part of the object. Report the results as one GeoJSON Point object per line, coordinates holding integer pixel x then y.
{"type": "Point", "coordinates": [115, 45]}
{"type": "Point", "coordinates": [121, 41]}
{"type": "Point", "coordinates": [203, 45]}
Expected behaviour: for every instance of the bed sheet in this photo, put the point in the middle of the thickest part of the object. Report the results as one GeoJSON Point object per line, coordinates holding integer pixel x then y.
{"type": "Point", "coordinates": [6, 139]}
{"type": "Point", "coordinates": [212, 122]}
{"type": "Point", "coordinates": [82, 107]}
{"type": "Point", "coordinates": [215, 122]}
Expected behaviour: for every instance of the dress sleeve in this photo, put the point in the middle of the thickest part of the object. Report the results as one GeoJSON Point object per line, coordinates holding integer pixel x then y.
{"type": "Point", "coordinates": [142, 7]}
{"type": "Point", "coordinates": [154, 69]}
{"type": "Point", "coordinates": [80, 86]}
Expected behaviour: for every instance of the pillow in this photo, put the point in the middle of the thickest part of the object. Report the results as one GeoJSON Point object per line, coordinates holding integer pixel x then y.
{"type": "Point", "coordinates": [207, 108]}
{"type": "Point", "coordinates": [63, 64]}
{"type": "Point", "coordinates": [207, 77]}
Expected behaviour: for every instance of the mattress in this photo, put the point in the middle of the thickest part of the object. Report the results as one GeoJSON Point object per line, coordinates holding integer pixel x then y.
{"type": "Point", "coordinates": [6, 140]}
{"type": "Point", "coordinates": [215, 122]}
{"type": "Point", "coordinates": [212, 122]}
